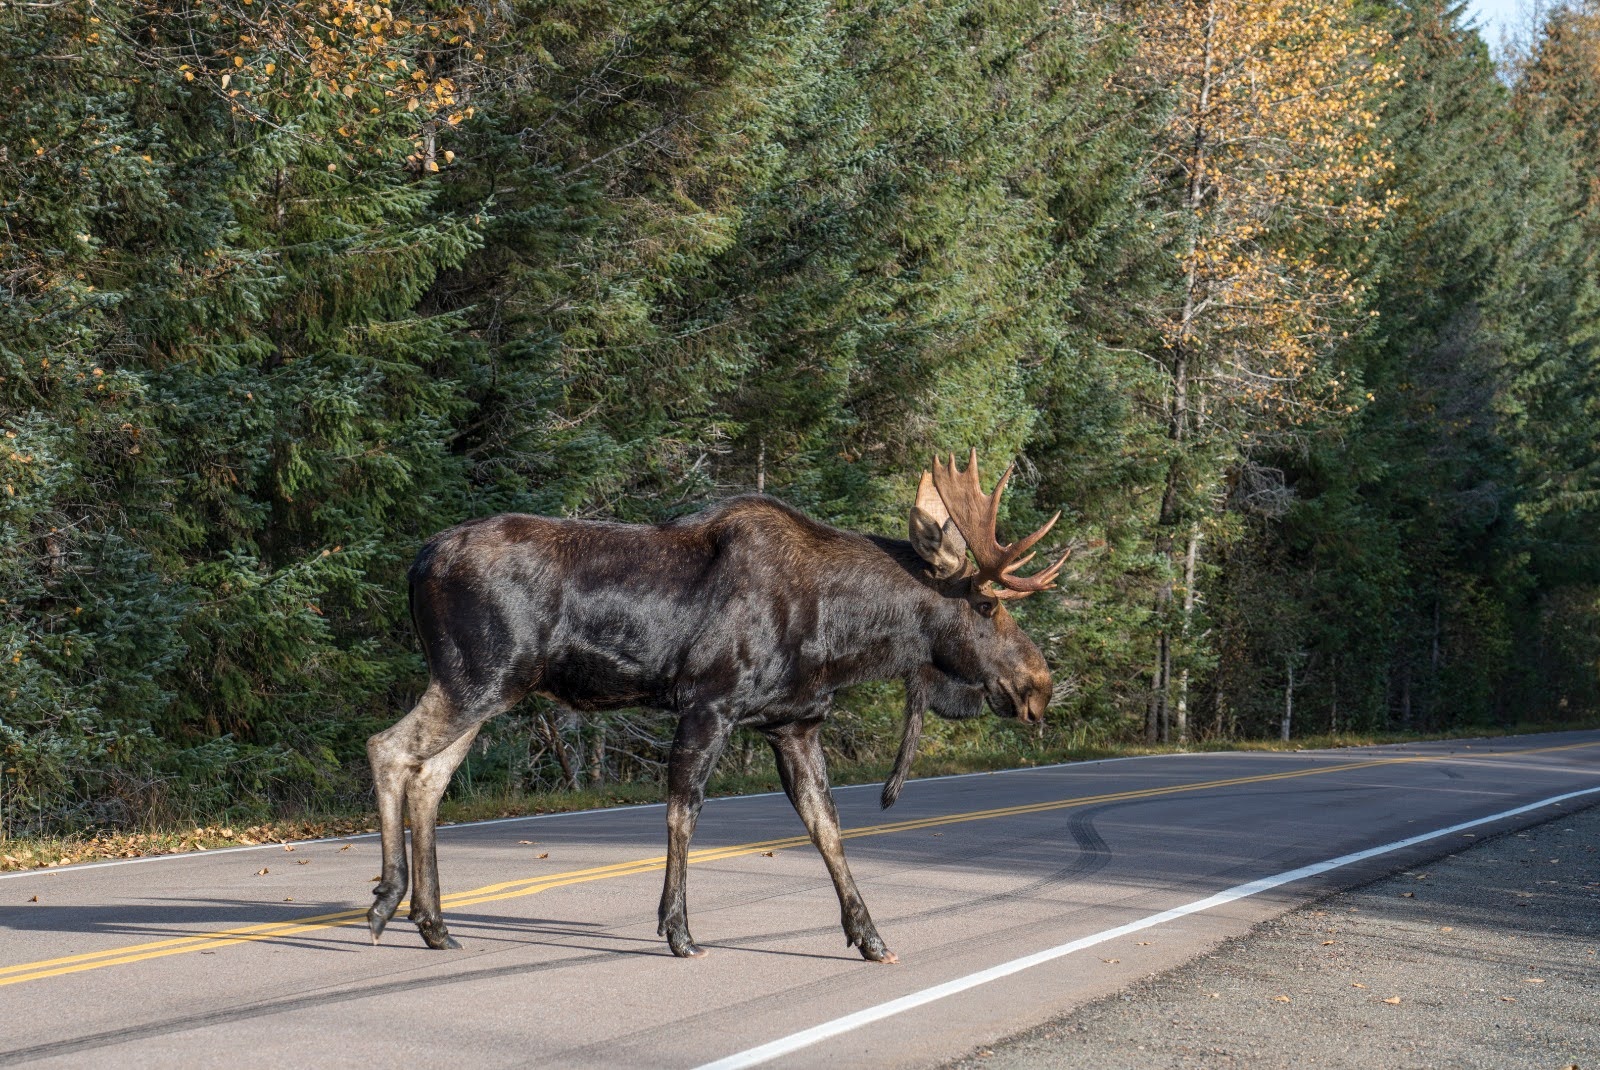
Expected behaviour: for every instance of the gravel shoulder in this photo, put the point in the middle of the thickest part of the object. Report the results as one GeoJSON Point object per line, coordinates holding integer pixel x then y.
{"type": "Point", "coordinates": [1487, 958]}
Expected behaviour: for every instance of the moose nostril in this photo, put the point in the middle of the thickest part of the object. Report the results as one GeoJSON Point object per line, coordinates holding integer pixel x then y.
{"type": "Point", "coordinates": [1031, 709]}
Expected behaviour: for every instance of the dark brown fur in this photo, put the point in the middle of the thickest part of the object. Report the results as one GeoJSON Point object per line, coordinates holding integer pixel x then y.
{"type": "Point", "coordinates": [749, 613]}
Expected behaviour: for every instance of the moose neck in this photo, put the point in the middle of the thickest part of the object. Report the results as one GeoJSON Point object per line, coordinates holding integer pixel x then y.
{"type": "Point", "coordinates": [892, 624]}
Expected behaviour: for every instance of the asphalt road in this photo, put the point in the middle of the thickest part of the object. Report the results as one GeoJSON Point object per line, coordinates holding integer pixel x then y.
{"type": "Point", "coordinates": [1011, 898]}
{"type": "Point", "coordinates": [1485, 960]}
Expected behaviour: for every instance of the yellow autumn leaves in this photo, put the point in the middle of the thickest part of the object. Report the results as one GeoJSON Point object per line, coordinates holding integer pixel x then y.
{"type": "Point", "coordinates": [1271, 139]}
{"type": "Point", "coordinates": [270, 59]}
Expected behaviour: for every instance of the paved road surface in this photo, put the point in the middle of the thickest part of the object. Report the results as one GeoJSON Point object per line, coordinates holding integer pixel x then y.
{"type": "Point", "coordinates": [1010, 898]}
{"type": "Point", "coordinates": [1486, 960]}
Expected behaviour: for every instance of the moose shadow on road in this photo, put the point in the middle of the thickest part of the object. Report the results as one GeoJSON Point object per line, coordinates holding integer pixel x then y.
{"type": "Point", "coordinates": [222, 920]}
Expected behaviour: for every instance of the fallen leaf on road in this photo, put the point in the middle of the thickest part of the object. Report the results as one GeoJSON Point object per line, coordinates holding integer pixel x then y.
{"type": "Point", "coordinates": [1111, 960]}
{"type": "Point", "coordinates": [262, 872]}
{"type": "Point", "coordinates": [1281, 999]}
{"type": "Point", "coordinates": [1216, 995]}
{"type": "Point", "coordinates": [1508, 999]}
{"type": "Point", "coordinates": [545, 855]}
{"type": "Point", "coordinates": [1533, 980]}
{"type": "Point", "coordinates": [1144, 943]}
{"type": "Point", "coordinates": [1329, 943]}
{"type": "Point", "coordinates": [288, 899]}
{"type": "Point", "coordinates": [1392, 999]}
{"type": "Point", "coordinates": [35, 899]}
{"type": "Point", "coordinates": [767, 854]}
{"type": "Point", "coordinates": [1357, 984]}
{"type": "Point", "coordinates": [346, 847]}
{"type": "Point", "coordinates": [1408, 895]}
{"type": "Point", "coordinates": [302, 861]}
{"type": "Point", "coordinates": [530, 842]}
{"type": "Point", "coordinates": [1446, 929]}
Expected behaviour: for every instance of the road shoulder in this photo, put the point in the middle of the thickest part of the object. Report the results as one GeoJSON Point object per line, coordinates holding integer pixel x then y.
{"type": "Point", "coordinates": [1486, 958]}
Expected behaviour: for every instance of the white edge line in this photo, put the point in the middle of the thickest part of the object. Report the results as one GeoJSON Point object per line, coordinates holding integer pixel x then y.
{"type": "Point", "coordinates": [807, 1037]}
{"type": "Point", "coordinates": [50, 871]}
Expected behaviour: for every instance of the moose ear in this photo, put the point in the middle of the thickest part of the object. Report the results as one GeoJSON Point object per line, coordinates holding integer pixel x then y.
{"type": "Point", "coordinates": [940, 545]}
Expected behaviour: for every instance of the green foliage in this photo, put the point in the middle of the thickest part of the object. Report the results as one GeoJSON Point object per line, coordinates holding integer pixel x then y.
{"type": "Point", "coordinates": [272, 312]}
{"type": "Point", "coordinates": [1432, 537]}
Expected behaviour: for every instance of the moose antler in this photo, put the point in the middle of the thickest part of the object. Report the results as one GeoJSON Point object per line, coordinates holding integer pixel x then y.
{"type": "Point", "coordinates": [975, 514]}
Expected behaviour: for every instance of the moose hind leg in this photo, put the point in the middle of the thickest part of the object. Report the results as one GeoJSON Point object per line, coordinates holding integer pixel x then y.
{"type": "Point", "coordinates": [393, 755]}
{"type": "Point", "coordinates": [423, 792]}
{"type": "Point", "coordinates": [804, 771]}
{"type": "Point", "coordinates": [695, 749]}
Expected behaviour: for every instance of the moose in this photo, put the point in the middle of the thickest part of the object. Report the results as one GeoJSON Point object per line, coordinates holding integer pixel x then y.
{"type": "Point", "coordinates": [746, 614]}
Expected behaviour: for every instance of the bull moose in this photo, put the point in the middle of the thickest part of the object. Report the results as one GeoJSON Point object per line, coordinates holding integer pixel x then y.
{"type": "Point", "coordinates": [749, 613]}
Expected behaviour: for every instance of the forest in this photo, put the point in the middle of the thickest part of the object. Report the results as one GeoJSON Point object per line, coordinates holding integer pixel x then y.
{"type": "Point", "coordinates": [1292, 307]}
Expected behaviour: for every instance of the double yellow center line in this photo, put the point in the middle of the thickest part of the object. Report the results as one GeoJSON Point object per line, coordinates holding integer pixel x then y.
{"type": "Point", "coordinates": [181, 945]}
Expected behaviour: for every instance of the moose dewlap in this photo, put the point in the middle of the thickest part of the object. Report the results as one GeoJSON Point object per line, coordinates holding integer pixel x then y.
{"type": "Point", "coordinates": [747, 614]}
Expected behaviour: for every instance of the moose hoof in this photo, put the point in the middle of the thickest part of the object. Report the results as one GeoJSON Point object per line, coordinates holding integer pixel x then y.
{"type": "Point", "coordinates": [874, 950]}
{"type": "Point", "coordinates": [684, 947]}
{"type": "Point", "coordinates": [383, 908]}
{"type": "Point", "coordinates": [436, 936]}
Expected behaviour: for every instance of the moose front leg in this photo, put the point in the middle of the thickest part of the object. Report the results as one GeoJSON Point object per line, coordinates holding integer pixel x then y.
{"type": "Point", "coordinates": [804, 770]}
{"type": "Point", "coordinates": [695, 749]}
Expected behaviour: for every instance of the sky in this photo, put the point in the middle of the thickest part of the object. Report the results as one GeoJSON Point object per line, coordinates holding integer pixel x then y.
{"type": "Point", "coordinates": [1493, 16]}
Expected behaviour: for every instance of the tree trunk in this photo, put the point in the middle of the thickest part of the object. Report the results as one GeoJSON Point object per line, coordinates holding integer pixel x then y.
{"type": "Point", "coordinates": [1405, 696]}
{"type": "Point", "coordinates": [558, 746]}
{"type": "Point", "coordinates": [1288, 704]}
{"type": "Point", "coordinates": [1333, 710]}
{"type": "Point", "coordinates": [1182, 717]}
{"type": "Point", "coordinates": [1158, 689]}
{"type": "Point", "coordinates": [597, 754]}
{"type": "Point", "coordinates": [1178, 416]}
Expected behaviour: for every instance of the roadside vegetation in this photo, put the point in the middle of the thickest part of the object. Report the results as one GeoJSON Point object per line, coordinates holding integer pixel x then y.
{"type": "Point", "coordinates": [1291, 306]}
{"type": "Point", "coordinates": [498, 802]}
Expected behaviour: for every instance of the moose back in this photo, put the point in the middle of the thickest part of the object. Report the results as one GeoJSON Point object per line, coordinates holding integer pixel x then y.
{"type": "Point", "coordinates": [748, 613]}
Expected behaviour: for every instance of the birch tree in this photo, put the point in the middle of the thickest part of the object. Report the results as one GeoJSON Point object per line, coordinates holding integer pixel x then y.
{"type": "Point", "coordinates": [1265, 163]}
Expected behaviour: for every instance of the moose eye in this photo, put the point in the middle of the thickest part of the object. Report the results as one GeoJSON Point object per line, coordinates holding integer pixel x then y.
{"type": "Point", "coordinates": [984, 608]}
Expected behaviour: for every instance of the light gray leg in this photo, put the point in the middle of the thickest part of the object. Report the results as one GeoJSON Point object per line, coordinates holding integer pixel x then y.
{"type": "Point", "coordinates": [411, 766]}
{"type": "Point", "coordinates": [392, 753]}
{"type": "Point", "coordinates": [423, 793]}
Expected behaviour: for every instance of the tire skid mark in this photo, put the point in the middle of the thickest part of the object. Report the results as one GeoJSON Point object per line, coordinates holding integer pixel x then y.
{"type": "Point", "coordinates": [1093, 856]}
{"type": "Point", "coordinates": [23, 972]}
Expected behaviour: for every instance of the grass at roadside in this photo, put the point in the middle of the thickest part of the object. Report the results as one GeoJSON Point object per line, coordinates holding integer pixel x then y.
{"type": "Point", "coordinates": [31, 853]}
